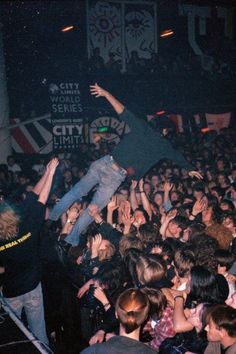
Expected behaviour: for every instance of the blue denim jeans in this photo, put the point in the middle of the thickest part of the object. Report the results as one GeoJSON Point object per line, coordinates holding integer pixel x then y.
{"type": "Point", "coordinates": [107, 180]}
{"type": "Point", "coordinates": [32, 302]}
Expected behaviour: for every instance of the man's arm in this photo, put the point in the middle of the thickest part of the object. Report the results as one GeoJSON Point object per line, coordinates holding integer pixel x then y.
{"type": "Point", "coordinates": [98, 91]}
{"type": "Point", "coordinates": [43, 196]}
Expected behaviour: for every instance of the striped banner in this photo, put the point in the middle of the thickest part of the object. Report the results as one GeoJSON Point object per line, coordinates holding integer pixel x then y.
{"type": "Point", "coordinates": [31, 138]}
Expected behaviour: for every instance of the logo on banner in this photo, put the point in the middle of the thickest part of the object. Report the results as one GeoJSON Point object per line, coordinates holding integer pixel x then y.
{"type": "Point", "coordinates": [66, 109]}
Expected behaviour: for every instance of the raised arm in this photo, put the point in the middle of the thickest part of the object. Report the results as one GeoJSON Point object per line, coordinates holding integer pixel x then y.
{"type": "Point", "coordinates": [45, 189]}
{"type": "Point", "coordinates": [98, 91]}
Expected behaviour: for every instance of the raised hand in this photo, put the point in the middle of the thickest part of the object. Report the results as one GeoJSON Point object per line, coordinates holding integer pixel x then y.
{"type": "Point", "coordinates": [97, 91]}
{"type": "Point", "coordinates": [195, 174]}
{"type": "Point", "coordinates": [167, 186]}
{"type": "Point", "coordinates": [112, 205]}
{"type": "Point", "coordinates": [52, 165]}
{"type": "Point", "coordinates": [134, 184]}
{"type": "Point", "coordinates": [199, 206]}
{"type": "Point", "coordinates": [95, 244]}
{"type": "Point", "coordinates": [140, 184]}
{"type": "Point", "coordinates": [171, 215]}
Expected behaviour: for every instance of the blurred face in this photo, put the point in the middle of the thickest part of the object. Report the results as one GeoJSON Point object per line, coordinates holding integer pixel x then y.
{"type": "Point", "coordinates": [221, 179]}
{"type": "Point", "coordinates": [139, 218]}
{"type": "Point", "coordinates": [174, 196]}
{"type": "Point", "coordinates": [209, 176]}
{"type": "Point", "coordinates": [228, 222]}
{"type": "Point", "coordinates": [224, 206]}
{"type": "Point", "coordinates": [158, 199]}
{"type": "Point", "coordinates": [174, 229]}
{"type": "Point", "coordinates": [231, 301]}
{"type": "Point", "coordinates": [213, 333]}
{"type": "Point", "coordinates": [147, 188]}
{"type": "Point", "coordinates": [67, 176]}
{"type": "Point", "coordinates": [220, 165]}
{"type": "Point", "coordinates": [207, 215]}
{"type": "Point", "coordinates": [154, 181]}
{"type": "Point", "coordinates": [198, 195]}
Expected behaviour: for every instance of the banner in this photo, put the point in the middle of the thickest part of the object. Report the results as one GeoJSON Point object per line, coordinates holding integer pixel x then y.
{"type": "Point", "coordinates": [121, 27]}
{"type": "Point", "coordinates": [66, 115]}
{"type": "Point", "coordinates": [218, 121]}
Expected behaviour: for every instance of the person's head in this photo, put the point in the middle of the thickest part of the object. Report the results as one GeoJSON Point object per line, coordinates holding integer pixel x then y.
{"type": "Point", "coordinates": [122, 194]}
{"type": "Point", "coordinates": [229, 220]}
{"type": "Point", "coordinates": [175, 227]}
{"type": "Point", "coordinates": [148, 234]}
{"type": "Point", "coordinates": [154, 181]}
{"type": "Point", "coordinates": [158, 198]}
{"type": "Point", "coordinates": [147, 188]}
{"type": "Point", "coordinates": [140, 217]}
{"type": "Point", "coordinates": [218, 193]}
{"type": "Point", "coordinates": [183, 262]}
{"type": "Point", "coordinates": [221, 234]}
{"type": "Point", "coordinates": [158, 302]}
{"type": "Point", "coordinates": [132, 309]}
{"type": "Point", "coordinates": [225, 260]}
{"type": "Point", "coordinates": [198, 191]}
{"type": "Point", "coordinates": [221, 324]}
{"type": "Point", "coordinates": [150, 269]}
{"type": "Point", "coordinates": [204, 248]}
{"type": "Point", "coordinates": [198, 316]}
{"type": "Point", "coordinates": [220, 164]}
{"type": "Point", "coordinates": [106, 249]}
{"type": "Point", "coordinates": [9, 222]}
{"type": "Point", "coordinates": [222, 179]}
{"type": "Point", "coordinates": [128, 242]}
{"type": "Point", "coordinates": [227, 205]}
{"type": "Point", "coordinates": [202, 286]}
{"type": "Point", "coordinates": [67, 175]}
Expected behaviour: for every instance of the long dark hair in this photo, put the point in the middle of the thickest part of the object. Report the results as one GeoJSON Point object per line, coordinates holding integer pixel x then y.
{"type": "Point", "coordinates": [203, 286]}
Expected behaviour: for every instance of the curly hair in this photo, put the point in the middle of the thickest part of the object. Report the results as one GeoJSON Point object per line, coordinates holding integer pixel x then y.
{"type": "Point", "coordinates": [9, 223]}
{"type": "Point", "coordinates": [204, 247]}
{"type": "Point", "coordinates": [221, 234]}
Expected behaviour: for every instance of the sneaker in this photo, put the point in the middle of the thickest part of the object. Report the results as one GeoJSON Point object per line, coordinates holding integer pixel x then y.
{"type": "Point", "coordinates": [62, 249]}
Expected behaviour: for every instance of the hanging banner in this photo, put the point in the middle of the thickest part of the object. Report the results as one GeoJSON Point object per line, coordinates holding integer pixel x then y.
{"type": "Point", "coordinates": [218, 121]}
{"type": "Point", "coordinates": [140, 30]}
{"type": "Point", "coordinates": [121, 27]}
{"type": "Point", "coordinates": [66, 115]}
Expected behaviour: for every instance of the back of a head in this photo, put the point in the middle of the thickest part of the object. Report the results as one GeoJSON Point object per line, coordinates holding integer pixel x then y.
{"type": "Point", "coordinates": [9, 222]}
{"type": "Point", "coordinates": [150, 269]}
{"type": "Point", "coordinates": [132, 308]}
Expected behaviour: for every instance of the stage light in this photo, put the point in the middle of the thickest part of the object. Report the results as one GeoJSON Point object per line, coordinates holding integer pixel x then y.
{"type": "Point", "coordinates": [160, 113]}
{"type": "Point", "coordinates": [167, 33]}
{"type": "Point", "coordinates": [66, 29]}
{"type": "Point", "coordinates": [205, 130]}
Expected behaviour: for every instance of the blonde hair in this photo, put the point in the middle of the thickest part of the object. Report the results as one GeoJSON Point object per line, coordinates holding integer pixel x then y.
{"type": "Point", "coordinates": [107, 253]}
{"type": "Point", "coordinates": [9, 223]}
{"type": "Point", "coordinates": [149, 270]}
{"type": "Point", "coordinates": [132, 308]}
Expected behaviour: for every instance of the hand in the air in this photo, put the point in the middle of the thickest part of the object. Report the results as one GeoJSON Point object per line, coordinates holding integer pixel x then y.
{"type": "Point", "coordinates": [195, 174]}
{"type": "Point", "coordinates": [97, 91]}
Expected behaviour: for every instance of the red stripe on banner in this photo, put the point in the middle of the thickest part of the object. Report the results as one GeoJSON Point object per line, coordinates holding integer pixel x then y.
{"type": "Point", "coordinates": [22, 141]}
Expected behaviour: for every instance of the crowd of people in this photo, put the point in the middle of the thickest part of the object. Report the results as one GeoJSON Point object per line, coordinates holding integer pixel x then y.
{"type": "Point", "coordinates": [154, 271]}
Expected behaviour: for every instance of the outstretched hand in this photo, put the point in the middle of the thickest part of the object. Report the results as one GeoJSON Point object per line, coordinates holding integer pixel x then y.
{"type": "Point", "coordinates": [195, 174]}
{"type": "Point", "coordinates": [52, 165]}
{"type": "Point", "coordinates": [97, 91]}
